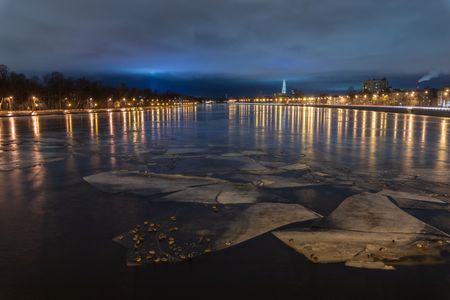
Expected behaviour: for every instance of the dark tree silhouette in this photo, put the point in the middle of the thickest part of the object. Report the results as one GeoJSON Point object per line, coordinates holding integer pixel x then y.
{"type": "Point", "coordinates": [55, 91]}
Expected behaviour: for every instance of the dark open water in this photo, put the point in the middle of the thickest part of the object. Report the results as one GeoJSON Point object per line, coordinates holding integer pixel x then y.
{"type": "Point", "coordinates": [56, 230]}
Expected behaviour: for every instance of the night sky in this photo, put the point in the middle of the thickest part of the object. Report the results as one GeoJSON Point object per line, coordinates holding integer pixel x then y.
{"type": "Point", "coordinates": [234, 47]}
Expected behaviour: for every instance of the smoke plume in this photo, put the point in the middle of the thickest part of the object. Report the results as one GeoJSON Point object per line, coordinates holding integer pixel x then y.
{"type": "Point", "coordinates": [429, 76]}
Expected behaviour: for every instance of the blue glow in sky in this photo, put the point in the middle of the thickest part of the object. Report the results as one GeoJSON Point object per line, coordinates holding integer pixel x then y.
{"type": "Point", "coordinates": [230, 45]}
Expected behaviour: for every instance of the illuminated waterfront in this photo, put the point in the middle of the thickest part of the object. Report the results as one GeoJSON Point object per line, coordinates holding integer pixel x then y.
{"type": "Point", "coordinates": [56, 229]}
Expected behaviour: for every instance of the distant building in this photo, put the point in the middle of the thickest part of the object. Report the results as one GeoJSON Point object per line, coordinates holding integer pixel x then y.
{"type": "Point", "coordinates": [376, 85]}
{"type": "Point", "coordinates": [296, 93]}
{"type": "Point", "coordinates": [283, 94]}
{"type": "Point", "coordinates": [443, 97]}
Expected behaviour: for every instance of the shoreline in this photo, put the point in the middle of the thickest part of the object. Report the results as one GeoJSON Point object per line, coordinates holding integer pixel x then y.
{"type": "Point", "coordinates": [49, 112]}
{"type": "Point", "coordinates": [415, 110]}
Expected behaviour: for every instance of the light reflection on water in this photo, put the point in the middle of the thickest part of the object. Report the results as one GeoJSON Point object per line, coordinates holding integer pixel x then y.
{"type": "Point", "coordinates": [350, 138]}
{"type": "Point", "coordinates": [371, 141]}
{"type": "Point", "coordinates": [53, 224]}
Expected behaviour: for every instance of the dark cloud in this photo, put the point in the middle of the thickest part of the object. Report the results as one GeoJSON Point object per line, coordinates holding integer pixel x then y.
{"type": "Point", "coordinates": [255, 41]}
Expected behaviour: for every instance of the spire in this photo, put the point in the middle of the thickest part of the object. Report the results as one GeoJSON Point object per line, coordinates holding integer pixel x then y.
{"type": "Point", "coordinates": [283, 90]}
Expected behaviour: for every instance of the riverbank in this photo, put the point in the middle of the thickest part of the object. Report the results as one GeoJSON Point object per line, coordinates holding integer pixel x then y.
{"type": "Point", "coordinates": [27, 113]}
{"type": "Point", "coordinates": [425, 111]}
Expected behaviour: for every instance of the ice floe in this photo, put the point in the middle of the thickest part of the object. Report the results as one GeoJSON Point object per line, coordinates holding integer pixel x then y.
{"type": "Point", "coordinates": [175, 240]}
{"type": "Point", "coordinates": [245, 197]}
{"type": "Point", "coordinates": [183, 151]}
{"type": "Point", "coordinates": [145, 184]}
{"type": "Point", "coordinates": [367, 230]}
{"type": "Point", "coordinates": [268, 181]}
{"type": "Point", "coordinates": [222, 193]}
{"type": "Point", "coordinates": [205, 164]}
{"type": "Point", "coordinates": [296, 167]}
{"type": "Point", "coordinates": [179, 188]}
{"type": "Point", "coordinates": [416, 201]}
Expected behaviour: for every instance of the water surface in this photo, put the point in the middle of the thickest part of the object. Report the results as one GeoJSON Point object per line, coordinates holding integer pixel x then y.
{"type": "Point", "coordinates": [56, 230]}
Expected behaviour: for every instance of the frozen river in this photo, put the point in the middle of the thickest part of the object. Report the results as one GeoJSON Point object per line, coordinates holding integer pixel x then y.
{"type": "Point", "coordinates": [57, 224]}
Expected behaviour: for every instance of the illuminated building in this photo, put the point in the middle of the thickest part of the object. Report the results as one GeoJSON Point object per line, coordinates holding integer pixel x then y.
{"type": "Point", "coordinates": [376, 85]}
{"type": "Point", "coordinates": [443, 97]}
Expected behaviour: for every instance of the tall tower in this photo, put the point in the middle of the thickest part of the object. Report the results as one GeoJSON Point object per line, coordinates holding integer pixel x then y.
{"type": "Point", "coordinates": [283, 89]}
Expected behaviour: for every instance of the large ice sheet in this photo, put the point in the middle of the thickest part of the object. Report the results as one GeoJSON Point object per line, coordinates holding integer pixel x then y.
{"type": "Point", "coordinates": [367, 230]}
{"type": "Point", "coordinates": [222, 193]}
{"type": "Point", "coordinates": [180, 238]}
{"type": "Point", "coordinates": [146, 184]}
{"type": "Point", "coordinates": [180, 188]}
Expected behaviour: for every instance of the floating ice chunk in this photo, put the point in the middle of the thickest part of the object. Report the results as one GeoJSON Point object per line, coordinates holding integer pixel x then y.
{"type": "Point", "coordinates": [367, 230]}
{"type": "Point", "coordinates": [431, 175]}
{"type": "Point", "coordinates": [416, 201]}
{"type": "Point", "coordinates": [368, 264]}
{"type": "Point", "coordinates": [296, 167]}
{"type": "Point", "coordinates": [204, 164]}
{"type": "Point", "coordinates": [203, 194]}
{"type": "Point", "coordinates": [410, 196]}
{"type": "Point", "coordinates": [179, 188]}
{"type": "Point", "coordinates": [145, 184]}
{"type": "Point", "coordinates": [244, 153]}
{"type": "Point", "coordinates": [268, 181]}
{"type": "Point", "coordinates": [182, 151]}
{"type": "Point", "coordinates": [373, 213]}
{"type": "Point", "coordinates": [247, 164]}
{"type": "Point", "coordinates": [223, 193]}
{"type": "Point", "coordinates": [232, 154]}
{"type": "Point", "coordinates": [272, 164]}
{"type": "Point", "coordinates": [344, 183]}
{"type": "Point", "coordinates": [261, 218]}
{"type": "Point", "coordinates": [253, 152]}
{"type": "Point", "coordinates": [238, 193]}
{"type": "Point", "coordinates": [320, 174]}
{"type": "Point", "coordinates": [333, 246]}
{"type": "Point", "coordinates": [213, 228]}
{"type": "Point", "coordinates": [422, 205]}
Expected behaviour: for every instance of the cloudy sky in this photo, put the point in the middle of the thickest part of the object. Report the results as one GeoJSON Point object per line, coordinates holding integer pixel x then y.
{"type": "Point", "coordinates": [229, 46]}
